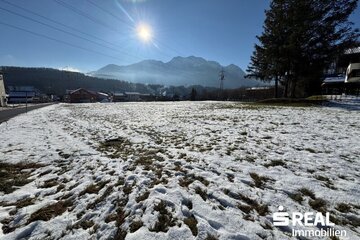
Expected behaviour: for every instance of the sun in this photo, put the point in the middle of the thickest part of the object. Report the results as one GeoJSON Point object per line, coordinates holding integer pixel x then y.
{"type": "Point", "coordinates": [144, 32]}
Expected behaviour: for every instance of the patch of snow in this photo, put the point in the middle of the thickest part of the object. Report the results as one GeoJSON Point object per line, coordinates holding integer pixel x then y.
{"type": "Point", "coordinates": [196, 157]}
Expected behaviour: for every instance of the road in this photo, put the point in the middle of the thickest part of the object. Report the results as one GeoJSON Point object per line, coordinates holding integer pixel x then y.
{"type": "Point", "coordinates": [10, 113]}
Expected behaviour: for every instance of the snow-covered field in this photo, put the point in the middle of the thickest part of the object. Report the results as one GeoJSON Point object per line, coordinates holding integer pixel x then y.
{"type": "Point", "coordinates": [202, 170]}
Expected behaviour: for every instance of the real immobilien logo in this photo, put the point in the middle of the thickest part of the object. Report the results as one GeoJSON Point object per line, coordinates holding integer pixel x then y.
{"type": "Point", "coordinates": [307, 219]}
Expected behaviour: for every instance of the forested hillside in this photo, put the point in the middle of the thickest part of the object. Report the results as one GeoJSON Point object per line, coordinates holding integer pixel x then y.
{"type": "Point", "coordinates": [53, 81]}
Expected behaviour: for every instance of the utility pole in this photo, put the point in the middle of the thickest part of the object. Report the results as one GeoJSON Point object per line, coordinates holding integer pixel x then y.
{"type": "Point", "coordinates": [222, 78]}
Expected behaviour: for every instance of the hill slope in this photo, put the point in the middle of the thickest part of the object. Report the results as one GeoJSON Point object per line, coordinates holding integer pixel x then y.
{"type": "Point", "coordinates": [53, 81]}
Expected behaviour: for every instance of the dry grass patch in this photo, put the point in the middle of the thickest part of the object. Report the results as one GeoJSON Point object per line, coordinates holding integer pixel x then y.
{"type": "Point", "coordinates": [20, 203]}
{"type": "Point", "coordinates": [307, 192]}
{"type": "Point", "coordinates": [84, 224]}
{"type": "Point", "coordinates": [65, 196]}
{"type": "Point", "coordinates": [120, 182]}
{"type": "Point", "coordinates": [191, 222]}
{"type": "Point", "coordinates": [275, 163]}
{"type": "Point", "coordinates": [120, 217]}
{"type": "Point", "coordinates": [165, 218]}
{"type": "Point", "coordinates": [60, 187]}
{"type": "Point", "coordinates": [74, 186]}
{"type": "Point", "coordinates": [201, 192]}
{"type": "Point", "coordinates": [251, 205]}
{"type": "Point", "coordinates": [319, 204]}
{"type": "Point", "coordinates": [142, 197]}
{"type": "Point", "coordinates": [145, 161]}
{"type": "Point", "coordinates": [259, 181]}
{"type": "Point", "coordinates": [190, 178]}
{"type": "Point", "coordinates": [248, 158]}
{"type": "Point", "coordinates": [135, 225]}
{"type": "Point", "coordinates": [49, 183]}
{"type": "Point", "coordinates": [343, 207]}
{"type": "Point", "coordinates": [110, 217]}
{"type": "Point", "coordinates": [211, 237]}
{"type": "Point", "coordinates": [185, 182]}
{"type": "Point", "coordinates": [94, 188]}
{"type": "Point", "coordinates": [64, 155]}
{"type": "Point", "coordinates": [230, 177]}
{"type": "Point", "coordinates": [127, 189]}
{"type": "Point", "coordinates": [6, 228]}
{"type": "Point", "coordinates": [187, 203]}
{"type": "Point", "coordinates": [116, 147]}
{"type": "Point", "coordinates": [50, 211]}
{"type": "Point", "coordinates": [100, 199]}
{"type": "Point", "coordinates": [16, 175]}
{"type": "Point", "coordinates": [262, 209]}
{"type": "Point", "coordinates": [45, 172]}
{"type": "Point", "coordinates": [297, 197]}
{"type": "Point", "coordinates": [245, 208]}
{"type": "Point", "coordinates": [326, 181]}
{"type": "Point", "coordinates": [25, 202]}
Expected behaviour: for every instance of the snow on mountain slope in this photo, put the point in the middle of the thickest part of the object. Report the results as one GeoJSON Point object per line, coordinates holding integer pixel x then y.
{"type": "Point", "coordinates": [176, 170]}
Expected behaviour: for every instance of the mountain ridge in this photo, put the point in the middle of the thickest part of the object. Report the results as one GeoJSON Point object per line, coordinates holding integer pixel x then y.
{"type": "Point", "coordinates": [179, 71]}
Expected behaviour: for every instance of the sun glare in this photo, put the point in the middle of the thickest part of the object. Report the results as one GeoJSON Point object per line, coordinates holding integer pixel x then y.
{"type": "Point", "coordinates": [144, 32]}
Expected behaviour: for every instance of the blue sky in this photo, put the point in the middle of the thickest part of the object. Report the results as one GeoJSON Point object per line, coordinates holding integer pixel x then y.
{"type": "Point", "coordinates": [105, 31]}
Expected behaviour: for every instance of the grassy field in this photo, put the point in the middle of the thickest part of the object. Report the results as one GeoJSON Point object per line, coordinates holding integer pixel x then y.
{"type": "Point", "coordinates": [184, 170]}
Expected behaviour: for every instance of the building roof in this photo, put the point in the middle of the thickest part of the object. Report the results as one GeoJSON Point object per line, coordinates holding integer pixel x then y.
{"type": "Point", "coordinates": [103, 94]}
{"type": "Point", "coordinates": [132, 93]}
{"type": "Point", "coordinates": [82, 89]}
{"type": "Point", "coordinates": [119, 94]}
{"type": "Point", "coordinates": [21, 94]}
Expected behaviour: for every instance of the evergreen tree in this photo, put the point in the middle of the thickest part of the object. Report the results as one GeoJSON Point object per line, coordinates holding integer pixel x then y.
{"type": "Point", "coordinates": [300, 39]}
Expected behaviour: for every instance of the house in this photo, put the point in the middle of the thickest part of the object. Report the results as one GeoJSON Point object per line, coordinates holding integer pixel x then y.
{"type": "Point", "coordinates": [343, 75]}
{"type": "Point", "coordinates": [132, 96]}
{"type": "Point", "coordinates": [3, 96]}
{"type": "Point", "coordinates": [148, 97]}
{"type": "Point", "coordinates": [118, 97]}
{"type": "Point", "coordinates": [21, 94]}
{"type": "Point", "coordinates": [81, 95]}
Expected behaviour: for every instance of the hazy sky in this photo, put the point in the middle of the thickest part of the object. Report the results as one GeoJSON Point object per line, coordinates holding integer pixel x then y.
{"type": "Point", "coordinates": [88, 34]}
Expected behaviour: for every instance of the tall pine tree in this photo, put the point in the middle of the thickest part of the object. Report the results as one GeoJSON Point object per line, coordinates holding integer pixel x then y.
{"type": "Point", "coordinates": [300, 40]}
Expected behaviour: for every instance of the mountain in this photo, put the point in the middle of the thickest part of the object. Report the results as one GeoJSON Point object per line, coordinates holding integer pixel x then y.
{"type": "Point", "coordinates": [179, 71]}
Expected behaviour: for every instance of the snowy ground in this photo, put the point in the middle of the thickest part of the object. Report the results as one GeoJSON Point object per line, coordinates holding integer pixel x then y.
{"type": "Point", "coordinates": [202, 170]}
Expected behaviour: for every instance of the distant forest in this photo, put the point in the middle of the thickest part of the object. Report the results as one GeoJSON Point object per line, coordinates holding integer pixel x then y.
{"type": "Point", "coordinates": [53, 81]}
